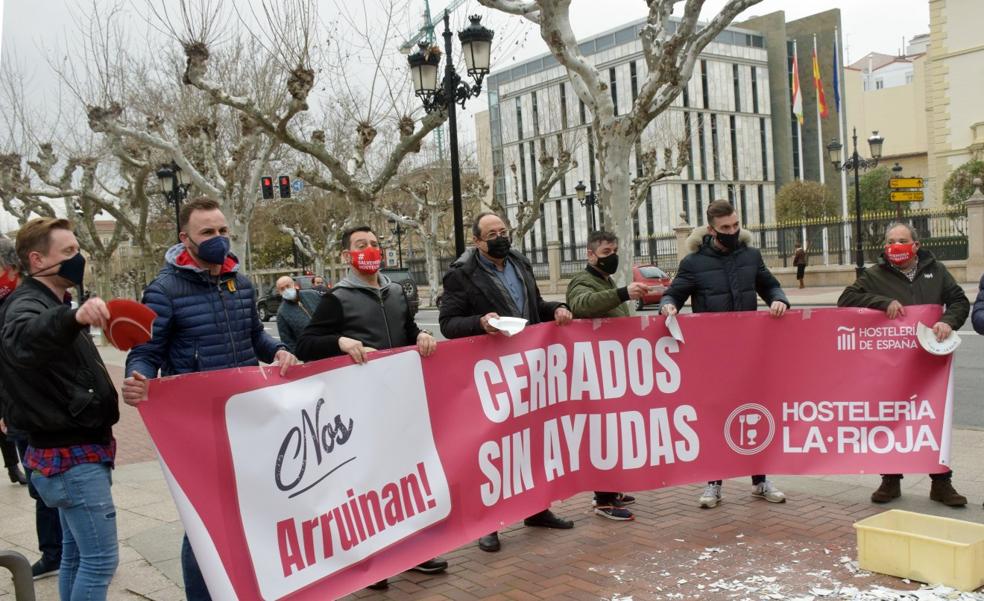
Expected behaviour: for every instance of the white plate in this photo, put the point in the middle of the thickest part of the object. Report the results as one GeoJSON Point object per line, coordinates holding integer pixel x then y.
{"type": "Point", "coordinates": [927, 340]}
{"type": "Point", "coordinates": [510, 326]}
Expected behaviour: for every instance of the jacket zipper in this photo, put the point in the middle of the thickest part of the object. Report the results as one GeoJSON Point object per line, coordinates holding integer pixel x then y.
{"type": "Point", "coordinates": [382, 308]}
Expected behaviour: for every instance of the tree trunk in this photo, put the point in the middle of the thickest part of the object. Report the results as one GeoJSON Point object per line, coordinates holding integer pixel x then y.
{"type": "Point", "coordinates": [614, 150]}
{"type": "Point", "coordinates": [238, 226]}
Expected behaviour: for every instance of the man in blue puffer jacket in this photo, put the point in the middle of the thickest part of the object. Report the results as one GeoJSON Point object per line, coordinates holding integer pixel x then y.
{"type": "Point", "coordinates": [206, 320]}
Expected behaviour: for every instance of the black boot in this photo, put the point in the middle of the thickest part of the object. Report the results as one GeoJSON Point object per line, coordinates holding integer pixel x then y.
{"type": "Point", "coordinates": [891, 488]}
{"type": "Point", "coordinates": [16, 475]}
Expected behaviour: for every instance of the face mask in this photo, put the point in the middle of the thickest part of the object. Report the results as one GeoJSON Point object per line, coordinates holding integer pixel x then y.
{"type": "Point", "coordinates": [499, 247]}
{"type": "Point", "coordinates": [214, 250]}
{"type": "Point", "coordinates": [367, 261]}
{"type": "Point", "coordinates": [8, 283]}
{"type": "Point", "coordinates": [72, 269]}
{"type": "Point", "coordinates": [290, 294]}
{"type": "Point", "coordinates": [729, 241]}
{"type": "Point", "coordinates": [608, 264]}
{"type": "Point", "coordinates": [900, 254]}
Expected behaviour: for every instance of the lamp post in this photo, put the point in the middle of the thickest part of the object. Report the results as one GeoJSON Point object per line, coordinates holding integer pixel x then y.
{"type": "Point", "coordinates": [476, 44]}
{"type": "Point", "coordinates": [398, 232]}
{"type": "Point", "coordinates": [855, 163]}
{"type": "Point", "coordinates": [588, 200]}
{"type": "Point", "coordinates": [173, 189]}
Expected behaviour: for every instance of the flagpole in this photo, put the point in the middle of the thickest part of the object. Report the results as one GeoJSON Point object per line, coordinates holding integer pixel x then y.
{"type": "Point", "coordinates": [820, 160]}
{"type": "Point", "coordinates": [841, 119]}
{"type": "Point", "coordinates": [799, 126]}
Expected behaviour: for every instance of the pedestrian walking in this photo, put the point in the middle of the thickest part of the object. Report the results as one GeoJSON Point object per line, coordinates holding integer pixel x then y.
{"type": "Point", "coordinates": [295, 311]}
{"type": "Point", "coordinates": [491, 280]}
{"type": "Point", "coordinates": [799, 261]}
{"type": "Point", "coordinates": [593, 293]}
{"type": "Point", "coordinates": [723, 273]}
{"type": "Point", "coordinates": [61, 396]}
{"type": "Point", "coordinates": [909, 275]}
{"type": "Point", "coordinates": [206, 320]}
{"type": "Point", "coordinates": [365, 312]}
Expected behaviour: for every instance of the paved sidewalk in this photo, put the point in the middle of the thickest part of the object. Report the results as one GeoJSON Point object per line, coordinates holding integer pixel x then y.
{"type": "Point", "coordinates": [744, 549]}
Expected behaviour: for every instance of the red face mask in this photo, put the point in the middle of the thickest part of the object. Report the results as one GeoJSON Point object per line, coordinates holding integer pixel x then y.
{"type": "Point", "coordinates": [8, 282]}
{"type": "Point", "coordinates": [900, 254]}
{"type": "Point", "coordinates": [367, 260]}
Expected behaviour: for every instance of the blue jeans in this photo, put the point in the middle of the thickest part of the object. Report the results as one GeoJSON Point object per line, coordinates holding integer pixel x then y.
{"type": "Point", "coordinates": [195, 589]}
{"type": "Point", "coordinates": [46, 520]}
{"type": "Point", "coordinates": [90, 552]}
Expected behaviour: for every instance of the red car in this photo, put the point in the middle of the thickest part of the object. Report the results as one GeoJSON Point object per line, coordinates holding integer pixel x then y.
{"type": "Point", "coordinates": [656, 279]}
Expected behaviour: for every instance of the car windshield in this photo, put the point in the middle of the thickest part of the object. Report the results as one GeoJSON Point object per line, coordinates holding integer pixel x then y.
{"type": "Point", "coordinates": [654, 273]}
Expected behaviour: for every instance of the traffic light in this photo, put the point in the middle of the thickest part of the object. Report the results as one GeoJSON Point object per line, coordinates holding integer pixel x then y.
{"type": "Point", "coordinates": [266, 183]}
{"type": "Point", "coordinates": [284, 186]}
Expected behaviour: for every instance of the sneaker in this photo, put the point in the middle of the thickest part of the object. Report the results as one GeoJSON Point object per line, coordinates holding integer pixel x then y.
{"type": "Point", "coordinates": [42, 569]}
{"type": "Point", "coordinates": [711, 496]}
{"type": "Point", "coordinates": [382, 585]}
{"type": "Point", "coordinates": [431, 566]}
{"type": "Point", "coordinates": [614, 513]}
{"type": "Point", "coordinates": [768, 491]}
{"type": "Point", "coordinates": [623, 499]}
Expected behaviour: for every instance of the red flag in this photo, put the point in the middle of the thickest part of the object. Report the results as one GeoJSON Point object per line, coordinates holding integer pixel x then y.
{"type": "Point", "coordinates": [821, 98]}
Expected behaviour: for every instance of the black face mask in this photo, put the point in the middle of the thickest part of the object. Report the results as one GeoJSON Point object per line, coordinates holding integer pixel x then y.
{"type": "Point", "coordinates": [72, 269]}
{"type": "Point", "coordinates": [608, 264]}
{"type": "Point", "coordinates": [729, 241]}
{"type": "Point", "coordinates": [499, 247]}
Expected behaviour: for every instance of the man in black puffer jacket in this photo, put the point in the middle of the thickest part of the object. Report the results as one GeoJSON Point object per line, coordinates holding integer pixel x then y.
{"type": "Point", "coordinates": [725, 274]}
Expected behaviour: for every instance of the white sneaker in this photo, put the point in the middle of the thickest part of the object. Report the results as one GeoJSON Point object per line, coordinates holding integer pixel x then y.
{"type": "Point", "coordinates": [711, 496]}
{"type": "Point", "coordinates": [768, 491]}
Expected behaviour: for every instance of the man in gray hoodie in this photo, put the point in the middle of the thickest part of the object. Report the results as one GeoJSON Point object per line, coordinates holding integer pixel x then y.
{"type": "Point", "coordinates": [365, 312]}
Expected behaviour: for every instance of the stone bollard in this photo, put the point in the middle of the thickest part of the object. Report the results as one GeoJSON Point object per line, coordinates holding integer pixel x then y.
{"type": "Point", "coordinates": [975, 232]}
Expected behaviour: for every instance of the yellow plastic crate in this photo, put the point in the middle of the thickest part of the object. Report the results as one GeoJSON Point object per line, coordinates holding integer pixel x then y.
{"type": "Point", "coordinates": [921, 547]}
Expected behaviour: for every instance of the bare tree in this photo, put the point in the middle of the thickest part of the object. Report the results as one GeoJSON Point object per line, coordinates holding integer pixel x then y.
{"type": "Point", "coordinates": [670, 48]}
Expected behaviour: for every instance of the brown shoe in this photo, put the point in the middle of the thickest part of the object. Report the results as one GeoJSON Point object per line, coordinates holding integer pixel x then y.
{"type": "Point", "coordinates": [891, 488]}
{"type": "Point", "coordinates": [943, 491]}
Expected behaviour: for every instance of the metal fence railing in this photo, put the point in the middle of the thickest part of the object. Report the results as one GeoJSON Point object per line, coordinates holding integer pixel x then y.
{"type": "Point", "coordinates": [942, 231]}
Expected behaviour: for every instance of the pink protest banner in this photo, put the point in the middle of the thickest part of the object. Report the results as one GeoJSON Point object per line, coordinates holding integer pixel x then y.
{"type": "Point", "coordinates": [339, 475]}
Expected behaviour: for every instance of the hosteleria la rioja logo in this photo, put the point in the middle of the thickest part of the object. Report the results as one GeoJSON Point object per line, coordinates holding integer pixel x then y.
{"type": "Point", "coordinates": [749, 429]}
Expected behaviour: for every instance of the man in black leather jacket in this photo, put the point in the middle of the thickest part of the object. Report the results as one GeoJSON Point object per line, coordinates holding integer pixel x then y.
{"type": "Point", "coordinates": [722, 274]}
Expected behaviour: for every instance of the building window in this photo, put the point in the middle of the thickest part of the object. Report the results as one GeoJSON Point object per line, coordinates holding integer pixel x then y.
{"type": "Point", "coordinates": [879, 83]}
{"type": "Point", "coordinates": [735, 80]}
{"type": "Point", "coordinates": [649, 214]}
{"type": "Point", "coordinates": [582, 112]}
{"type": "Point", "coordinates": [715, 149]}
{"type": "Point", "coordinates": [744, 204]}
{"type": "Point", "coordinates": [563, 178]}
{"type": "Point", "coordinates": [765, 150]}
{"type": "Point", "coordinates": [703, 83]}
{"type": "Point", "coordinates": [731, 194]}
{"type": "Point", "coordinates": [611, 85]}
{"type": "Point", "coordinates": [690, 147]}
{"type": "Point", "coordinates": [699, 217]}
{"type": "Point", "coordinates": [543, 237]}
{"type": "Point", "coordinates": [536, 115]}
{"type": "Point", "coordinates": [734, 149]}
{"type": "Point", "coordinates": [701, 146]}
{"type": "Point", "coordinates": [591, 154]}
{"type": "Point", "coordinates": [686, 95]}
{"type": "Point", "coordinates": [522, 173]}
{"type": "Point", "coordinates": [560, 220]}
{"type": "Point", "coordinates": [572, 239]}
{"type": "Point", "coordinates": [634, 77]}
{"type": "Point", "coordinates": [533, 164]}
{"type": "Point", "coordinates": [519, 119]}
{"type": "Point", "coordinates": [710, 193]}
{"type": "Point", "coordinates": [686, 202]}
{"type": "Point", "coordinates": [761, 200]}
{"type": "Point", "coordinates": [563, 105]}
{"type": "Point", "coordinates": [755, 90]}
{"type": "Point", "coordinates": [908, 78]}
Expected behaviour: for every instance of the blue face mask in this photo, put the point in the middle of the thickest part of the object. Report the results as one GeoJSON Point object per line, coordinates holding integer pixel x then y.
{"type": "Point", "coordinates": [214, 250]}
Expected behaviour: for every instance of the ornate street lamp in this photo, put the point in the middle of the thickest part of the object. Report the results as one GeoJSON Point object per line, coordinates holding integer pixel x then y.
{"type": "Point", "coordinates": [173, 189]}
{"type": "Point", "coordinates": [398, 230]}
{"type": "Point", "coordinates": [588, 200]}
{"type": "Point", "coordinates": [855, 163]}
{"type": "Point", "coordinates": [476, 44]}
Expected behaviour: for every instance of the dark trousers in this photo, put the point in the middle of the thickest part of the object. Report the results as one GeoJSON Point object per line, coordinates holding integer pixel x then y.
{"type": "Point", "coordinates": [759, 479]}
{"type": "Point", "coordinates": [944, 476]}
{"type": "Point", "coordinates": [9, 451]}
{"type": "Point", "coordinates": [605, 498]}
{"type": "Point", "coordinates": [195, 589]}
{"type": "Point", "coordinates": [800, 271]}
{"type": "Point", "coordinates": [46, 519]}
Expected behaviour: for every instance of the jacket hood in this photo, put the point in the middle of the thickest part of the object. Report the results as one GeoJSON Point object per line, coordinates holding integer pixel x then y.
{"type": "Point", "coordinates": [696, 238]}
{"type": "Point", "coordinates": [353, 281]}
{"type": "Point", "coordinates": [179, 258]}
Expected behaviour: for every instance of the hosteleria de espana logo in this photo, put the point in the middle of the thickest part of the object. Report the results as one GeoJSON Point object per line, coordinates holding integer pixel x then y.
{"type": "Point", "coordinates": [749, 429]}
{"type": "Point", "coordinates": [878, 338]}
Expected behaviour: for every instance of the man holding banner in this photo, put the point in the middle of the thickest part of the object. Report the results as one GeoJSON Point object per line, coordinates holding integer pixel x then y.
{"type": "Point", "coordinates": [908, 275]}
{"type": "Point", "coordinates": [593, 293]}
{"type": "Point", "coordinates": [206, 320]}
{"type": "Point", "coordinates": [483, 284]}
{"type": "Point", "coordinates": [365, 312]}
{"type": "Point", "coordinates": [723, 273]}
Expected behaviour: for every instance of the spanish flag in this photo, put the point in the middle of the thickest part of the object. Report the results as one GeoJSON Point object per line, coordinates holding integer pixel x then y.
{"type": "Point", "coordinates": [821, 99]}
{"type": "Point", "coordinates": [797, 92]}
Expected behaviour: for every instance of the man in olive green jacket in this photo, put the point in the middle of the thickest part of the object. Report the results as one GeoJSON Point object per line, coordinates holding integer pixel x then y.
{"type": "Point", "coordinates": [593, 293]}
{"type": "Point", "coordinates": [908, 275]}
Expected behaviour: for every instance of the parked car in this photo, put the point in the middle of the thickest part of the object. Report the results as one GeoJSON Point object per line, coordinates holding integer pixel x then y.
{"type": "Point", "coordinates": [657, 280]}
{"type": "Point", "coordinates": [268, 304]}
{"type": "Point", "coordinates": [405, 279]}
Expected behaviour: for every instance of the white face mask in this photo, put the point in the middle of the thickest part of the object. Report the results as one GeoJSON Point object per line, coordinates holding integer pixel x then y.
{"type": "Point", "coordinates": [290, 294]}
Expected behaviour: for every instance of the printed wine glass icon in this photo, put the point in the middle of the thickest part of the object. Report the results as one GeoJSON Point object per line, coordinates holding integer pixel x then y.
{"type": "Point", "coordinates": [751, 433]}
